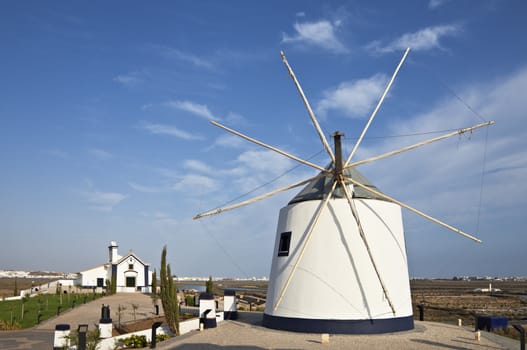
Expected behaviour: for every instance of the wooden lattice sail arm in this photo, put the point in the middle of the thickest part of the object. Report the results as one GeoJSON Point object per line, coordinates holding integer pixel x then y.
{"type": "Point", "coordinates": [306, 242]}
{"type": "Point", "coordinates": [258, 198]}
{"type": "Point", "coordinates": [288, 155]}
{"type": "Point", "coordinates": [419, 144]}
{"type": "Point", "coordinates": [308, 107]}
{"type": "Point", "coordinates": [416, 211]}
{"type": "Point", "coordinates": [365, 241]}
{"type": "Point", "coordinates": [379, 103]}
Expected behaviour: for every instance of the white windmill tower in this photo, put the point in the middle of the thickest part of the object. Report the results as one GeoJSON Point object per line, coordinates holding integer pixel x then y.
{"type": "Point", "coordinates": [339, 260]}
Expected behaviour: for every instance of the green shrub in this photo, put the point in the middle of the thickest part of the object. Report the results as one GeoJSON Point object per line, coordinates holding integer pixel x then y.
{"type": "Point", "coordinates": [161, 337]}
{"type": "Point", "coordinates": [9, 326]}
{"type": "Point", "coordinates": [92, 338]}
{"type": "Point", "coordinates": [135, 341]}
{"type": "Point", "coordinates": [189, 300]}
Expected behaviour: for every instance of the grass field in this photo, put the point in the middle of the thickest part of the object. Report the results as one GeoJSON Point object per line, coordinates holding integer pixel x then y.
{"type": "Point", "coordinates": [15, 314]}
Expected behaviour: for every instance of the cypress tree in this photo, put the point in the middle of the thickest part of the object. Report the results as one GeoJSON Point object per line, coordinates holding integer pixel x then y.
{"type": "Point", "coordinates": [169, 294]}
{"type": "Point", "coordinates": [114, 283]}
{"type": "Point", "coordinates": [153, 294]}
{"type": "Point", "coordinates": [209, 285]}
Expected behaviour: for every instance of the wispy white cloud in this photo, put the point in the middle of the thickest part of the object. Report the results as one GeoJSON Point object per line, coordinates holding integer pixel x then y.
{"type": "Point", "coordinates": [235, 118]}
{"type": "Point", "coordinates": [229, 141]}
{"type": "Point", "coordinates": [145, 189]}
{"type": "Point", "coordinates": [422, 40]}
{"type": "Point", "coordinates": [433, 4]}
{"type": "Point", "coordinates": [256, 167]}
{"type": "Point", "coordinates": [100, 154]}
{"type": "Point", "coordinates": [195, 183]}
{"type": "Point", "coordinates": [353, 99]}
{"type": "Point", "coordinates": [197, 109]}
{"type": "Point", "coordinates": [169, 173]}
{"type": "Point", "coordinates": [196, 165]}
{"type": "Point", "coordinates": [130, 79]}
{"type": "Point", "coordinates": [126, 80]}
{"type": "Point", "coordinates": [163, 129]}
{"type": "Point", "coordinates": [194, 178]}
{"type": "Point", "coordinates": [186, 57]}
{"type": "Point", "coordinates": [265, 161]}
{"type": "Point", "coordinates": [321, 34]}
{"type": "Point", "coordinates": [57, 153]}
{"type": "Point", "coordinates": [103, 201]}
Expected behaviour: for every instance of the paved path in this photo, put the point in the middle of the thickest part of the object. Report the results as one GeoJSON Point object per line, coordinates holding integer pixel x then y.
{"type": "Point", "coordinates": [26, 339]}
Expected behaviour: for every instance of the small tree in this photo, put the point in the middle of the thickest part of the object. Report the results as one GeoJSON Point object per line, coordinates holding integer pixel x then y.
{"type": "Point", "coordinates": [119, 312]}
{"type": "Point", "coordinates": [114, 283]}
{"type": "Point", "coordinates": [169, 294]}
{"type": "Point", "coordinates": [209, 285]}
{"type": "Point", "coordinates": [134, 308]}
{"type": "Point", "coordinates": [15, 290]}
{"type": "Point", "coordinates": [108, 287]}
{"type": "Point", "coordinates": [25, 298]}
{"type": "Point", "coordinates": [154, 295]}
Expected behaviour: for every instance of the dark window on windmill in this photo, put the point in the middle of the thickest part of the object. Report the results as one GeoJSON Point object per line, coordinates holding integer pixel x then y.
{"type": "Point", "coordinates": [285, 242]}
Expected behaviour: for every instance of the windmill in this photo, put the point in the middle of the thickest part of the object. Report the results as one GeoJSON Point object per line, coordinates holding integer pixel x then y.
{"type": "Point", "coordinates": [339, 260]}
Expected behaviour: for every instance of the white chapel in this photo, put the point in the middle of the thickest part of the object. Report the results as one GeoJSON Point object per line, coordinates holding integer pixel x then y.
{"type": "Point", "coordinates": [129, 272]}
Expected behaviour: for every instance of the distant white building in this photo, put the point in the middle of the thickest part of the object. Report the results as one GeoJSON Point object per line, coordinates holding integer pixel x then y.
{"type": "Point", "coordinates": [487, 290]}
{"type": "Point", "coordinates": [130, 273]}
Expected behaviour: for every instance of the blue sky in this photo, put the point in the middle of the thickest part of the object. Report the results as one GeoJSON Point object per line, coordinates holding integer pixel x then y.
{"type": "Point", "coordinates": [105, 135]}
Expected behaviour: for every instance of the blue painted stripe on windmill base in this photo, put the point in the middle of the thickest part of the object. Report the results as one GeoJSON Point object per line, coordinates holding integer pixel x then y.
{"type": "Point", "coordinates": [367, 326]}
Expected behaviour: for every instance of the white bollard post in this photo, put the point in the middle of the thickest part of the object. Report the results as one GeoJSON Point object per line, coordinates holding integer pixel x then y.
{"type": "Point", "coordinates": [478, 336]}
{"type": "Point", "coordinates": [207, 310]}
{"type": "Point", "coordinates": [229, 305]}
{"type": "Point", "coordinates": [61, 340]}
{"type": "Point", "coordinates": [459, 322]}
{"type": "Point", "coordinates": [106, 330]}
{"type": "Point", "coordinates": [105, 323]}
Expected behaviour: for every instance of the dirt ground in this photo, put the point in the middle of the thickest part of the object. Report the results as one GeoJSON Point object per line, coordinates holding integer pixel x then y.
{"type": "Point", "coordinates": [7, 285]}
{"type": "Point", "coordinates": [447, 300]}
